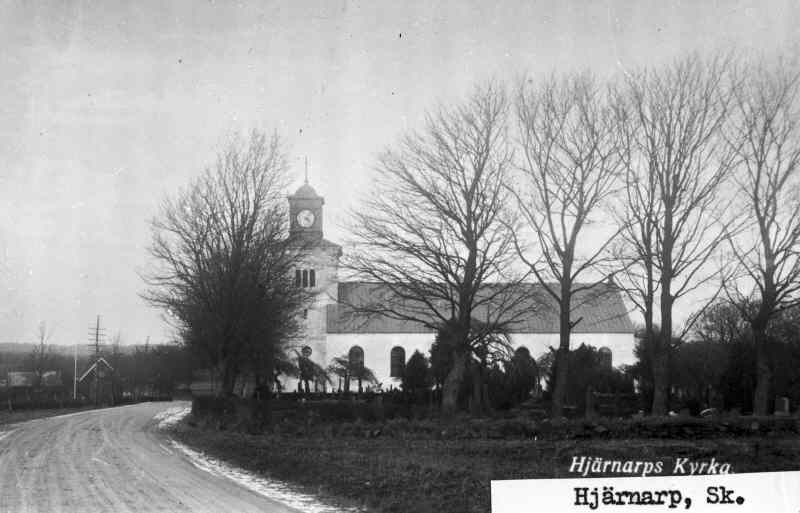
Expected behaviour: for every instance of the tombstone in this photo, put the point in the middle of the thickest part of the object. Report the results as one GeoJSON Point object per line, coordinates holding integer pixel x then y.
{"type": "Point", "coordinates": [782, 406]}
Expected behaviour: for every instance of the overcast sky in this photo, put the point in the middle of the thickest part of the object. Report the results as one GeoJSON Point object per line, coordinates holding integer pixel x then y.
{"type": "Point", "coordinates": [107, 107]}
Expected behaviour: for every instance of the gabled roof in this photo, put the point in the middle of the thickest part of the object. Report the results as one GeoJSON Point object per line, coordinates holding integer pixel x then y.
{"type": "Point", "coordinates": [96, 365]}
{"type": "Point", "coordinates": [599, 309]}
{"type": "Point", "coordinates": [28, 379]}
{"type": "Point", "coordinates": [325, 243]}
{"type": "Point", "coordinates": [22, 379]}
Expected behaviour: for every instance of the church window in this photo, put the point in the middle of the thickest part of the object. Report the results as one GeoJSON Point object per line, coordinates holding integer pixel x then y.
{"type": "Point", "coordinates": [397, 362]}
{"type": "Point", "coordinates": [305, 278]}
{"type": "Point", "coordinates": [356, 357]}
{"type": "Point", "coordinates": [605, 356]}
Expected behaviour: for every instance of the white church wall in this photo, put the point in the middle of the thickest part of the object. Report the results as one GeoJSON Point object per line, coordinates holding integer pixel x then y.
{"type": "Point", "coordinates": [378, 346]}
{"type": "Point", "coordinates": [377, 349]}
{"type": "Point", "coordinates": [621, 344]}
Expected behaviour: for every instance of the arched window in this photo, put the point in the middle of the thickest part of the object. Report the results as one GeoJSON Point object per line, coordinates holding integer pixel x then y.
{"type": "Point", "coordinates": [605, 356]}
{"type": "Point", "coordinates": [305, 278]}
{"type": "Point", "coordinates": [397, 362]}
{"type": "Point", "coordinates": [356, 357]}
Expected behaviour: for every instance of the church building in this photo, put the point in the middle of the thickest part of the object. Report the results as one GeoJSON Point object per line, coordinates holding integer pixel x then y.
{"type": "Point", "coordinates": [334, 329]}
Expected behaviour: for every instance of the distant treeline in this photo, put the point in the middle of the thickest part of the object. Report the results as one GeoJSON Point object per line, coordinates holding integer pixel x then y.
{"type": "Point", "coordinates": [137, 370]}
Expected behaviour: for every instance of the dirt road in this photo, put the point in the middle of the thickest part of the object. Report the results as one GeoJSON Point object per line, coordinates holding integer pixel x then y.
{"type": "Point", "coordinates": [111, 460]}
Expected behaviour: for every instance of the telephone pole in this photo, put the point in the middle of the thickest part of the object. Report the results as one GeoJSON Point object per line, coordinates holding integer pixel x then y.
{"type": "Point", "coordinates": [95, 334]}
{"type": "Point", "coordinates": [75, 376]}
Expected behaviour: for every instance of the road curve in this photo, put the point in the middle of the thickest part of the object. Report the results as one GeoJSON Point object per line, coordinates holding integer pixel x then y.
{"type": "Point", "coordinates": [110, 460]}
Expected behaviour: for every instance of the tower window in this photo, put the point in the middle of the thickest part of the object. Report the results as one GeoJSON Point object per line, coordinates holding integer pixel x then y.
{"type": "Point", "coordinates": [305, 278]}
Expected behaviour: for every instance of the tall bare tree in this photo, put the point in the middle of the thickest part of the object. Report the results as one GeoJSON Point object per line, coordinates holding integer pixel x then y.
{"type": "Point", "coordinates": [433, 232]}
{"type": "Point", "coordinates": [222, 261]}
{"type": "Point", "coordinates": [571, 168]}
{"type": "Point", "coordinates": [677, 163]}
{"type": "Point", "coordinates": [638, 215]}
{"type": "Point", "coordinates": [765, 137]}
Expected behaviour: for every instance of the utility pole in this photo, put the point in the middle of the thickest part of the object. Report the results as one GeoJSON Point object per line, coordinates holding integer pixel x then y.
{"type": "Point", "coordinates": [95, 335]}
{"type": "Point", "coordinates": [75, 376]}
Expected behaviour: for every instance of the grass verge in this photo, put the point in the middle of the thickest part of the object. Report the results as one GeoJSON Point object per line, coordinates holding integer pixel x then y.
{"type": "Point", "coordinates": [397, 473]}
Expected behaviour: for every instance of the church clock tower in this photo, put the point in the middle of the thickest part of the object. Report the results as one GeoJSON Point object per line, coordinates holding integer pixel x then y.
{"type": "Point", "coordinates": [316, 271]}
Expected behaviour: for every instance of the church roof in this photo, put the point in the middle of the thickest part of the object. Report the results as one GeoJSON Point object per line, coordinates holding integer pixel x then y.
{"type": "Point", "coordinates": [306, 244]}
{"type": "Point", "coordinates": [328, 244]}
{"type": "Point", "coordinates": [599, 309]}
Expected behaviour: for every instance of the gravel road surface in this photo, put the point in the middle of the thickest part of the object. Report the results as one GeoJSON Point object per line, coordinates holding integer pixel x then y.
{"type": "Point", "coordinates": [110, 460]}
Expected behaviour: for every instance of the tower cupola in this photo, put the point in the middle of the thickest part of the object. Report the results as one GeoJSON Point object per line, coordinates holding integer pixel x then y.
{"type": "Point", "coordinates": [305, 211]}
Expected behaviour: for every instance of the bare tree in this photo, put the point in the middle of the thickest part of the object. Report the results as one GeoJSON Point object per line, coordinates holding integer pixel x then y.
{"type": "Point", "coordinates": [765, 136]}
{"type": "Point", "coordinates": [42, 355]}
{"type": "Point", "coordinates": [433, 232]}
{"type": "Point", "coordinates": [571, 168]}
{"type": "Point", "coordinates": [638, 214]}
{"type": "Point", "coordinates": [677, 162]}
{"type": "Point", "coordinates": [222, 262]}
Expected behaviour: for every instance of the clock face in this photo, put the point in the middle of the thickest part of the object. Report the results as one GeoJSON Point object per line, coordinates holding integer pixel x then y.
{"type": "Point", "coordinates": [305, 218]}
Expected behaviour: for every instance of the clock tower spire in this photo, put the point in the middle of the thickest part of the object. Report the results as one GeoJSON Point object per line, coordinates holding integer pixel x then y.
{"type": "Point", "coordinates": [305, 212]}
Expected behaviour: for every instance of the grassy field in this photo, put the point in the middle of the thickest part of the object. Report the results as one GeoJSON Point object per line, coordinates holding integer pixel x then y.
{"type": "Point", "coordinates": [392, 471]}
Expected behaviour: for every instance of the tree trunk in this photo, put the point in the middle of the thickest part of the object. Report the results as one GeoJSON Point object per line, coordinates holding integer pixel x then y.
{"type": "Point", "coordinates": [662, 344]}
{"type": "Point", "coordinates": [452, 384]}
{"type": "Point", "coordinates": [562, 355]}
{"type": "Point", "coordinates": [258, 383]}
{"type": "Point", "coordinates": [763, 373]}
{"type": "Point", "coordinates": [660, 364]}
{"type": "Point", "coordinates": [560, 386]}
{"type": "Point", "coordinates": [589, 410]}
{"type": "Point", "coordinates": [477, 407]}
{"type": "Point", "coordinates": [228, 380]}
